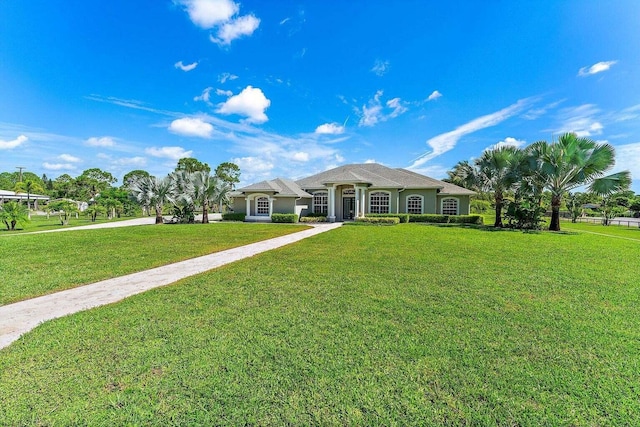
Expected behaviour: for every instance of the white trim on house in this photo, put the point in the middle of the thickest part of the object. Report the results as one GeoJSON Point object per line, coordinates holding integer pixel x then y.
{"type": "Point", "coordinates": [377, 193]}
{"type": "Point", "coordinates": [457, 200]}
{"type": "Point", "coordinates": [419, 196]}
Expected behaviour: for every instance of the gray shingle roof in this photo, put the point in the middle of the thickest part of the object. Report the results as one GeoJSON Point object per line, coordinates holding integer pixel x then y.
{"type": "Point", "coordinates": [280, 186]}
{"type": "Point", "coordinates": [379, 176]}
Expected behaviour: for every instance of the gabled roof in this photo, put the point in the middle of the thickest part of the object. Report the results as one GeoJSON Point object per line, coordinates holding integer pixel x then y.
{"type": "Point", "coordinates": [280, 186]}
{"type": "Point", "coordinates": [378, 176]}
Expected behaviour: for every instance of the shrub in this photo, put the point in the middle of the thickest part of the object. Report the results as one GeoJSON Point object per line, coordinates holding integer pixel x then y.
{"type": "Point", "coordinates": [433, 218]}
{"type": "Point", "coordinates": [315, 215]}
{"type": "Point", "coordinates": [280, 218]}
{"type": "Point", "coordinates": [313, 219]}
{"type": "Point", "coordinates": [377, 220]}
{"type": "Point", "coordinates": [233, 216]}
{"type": "Point", "coordinates": [402, 217]}
{"type": "Point", "coordinates": [466, 219]}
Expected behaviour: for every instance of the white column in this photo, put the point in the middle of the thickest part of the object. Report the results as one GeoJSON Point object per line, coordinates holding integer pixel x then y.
{"type": "Point", "coordinates": [357, 196]}
{"type": "Point", "coordinates": [332, 204]}
{"type": "Point", "coordinates": [363, 201]}
{"type": "Point", "coordinates": [270, 206]}
{"type": "Point", "coordinates": [248, 213]}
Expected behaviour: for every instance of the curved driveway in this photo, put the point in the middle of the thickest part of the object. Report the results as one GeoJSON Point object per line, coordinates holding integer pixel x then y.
{"type": "Point", "coordinates": [19, 318]}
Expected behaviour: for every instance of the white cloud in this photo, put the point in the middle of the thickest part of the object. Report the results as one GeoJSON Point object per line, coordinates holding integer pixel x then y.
{"type": "Point", "coordinates": [300, 156]}
{"type": "Point", "coordinates": [444, 142]}
{"type": "Point", "coordinates": [174, 153]}
{"type": "Point", "coordinates": [8, 145]}
{"type": "Point", "coordinates": [226, 76]}
{"type": "Point", "coordinates": [397, 106]}
{"type": "Point", "coordinates": [250, 103]}
{"type": "Point", "coordinates": [184, 67]}
{"type": "Point", "coordinates": [580, 120]}
{"type": "Point", "coordinates": [380, 67]}
{"type": "Point", "coordinates": [209, 13]}
{"type": "Point", "coordinates": [131, 161]}
{"type": "Point", "coordinates": [434, 95]}
{"type": "Point", "coordinates": [105, 141]}
{"type": "Point", "coordinates": [189, 126]}
{"type": "Point", "coordinates": [628, 158]}
{"type": "Point", "coordinates": [508, 142]}
{"type": "Point", "coordinates": [433, 171]}
{"type": "Point", "coordinates": [375, 112]}
{"type": "Point", "coordinates": [69, 158]}
{"type": "Point", "coordinates": [57, 166]}
{"type": "Point", "coordinates": [204, 96]}
{"type": "Point", "coordinates": [596, 68]}
{"type": "Point", "coordinates": [370, 161]}
{"type": "Point", "coordinates": [330, 129]}
{"type": "Point", "coordinates": [221, 92]}
{"type": "Point", "coordinates": [234, 29]}
{"type": "Point", "coordinates": [284, 21]}
{"type": "Point", "coordinates": [630, 113]}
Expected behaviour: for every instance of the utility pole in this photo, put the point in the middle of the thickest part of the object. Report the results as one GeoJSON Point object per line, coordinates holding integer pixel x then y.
{"type": "Point", "coordinates": [20, 168]}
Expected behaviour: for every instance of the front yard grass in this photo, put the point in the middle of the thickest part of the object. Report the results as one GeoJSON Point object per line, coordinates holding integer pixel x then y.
{"type": "Point", "coordinates": [37, 264]}
{"type": "Point", "coordinates": [404, 325]}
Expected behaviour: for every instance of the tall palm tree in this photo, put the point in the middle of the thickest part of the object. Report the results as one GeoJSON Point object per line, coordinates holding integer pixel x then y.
{"type": "Point", "coordinates": [463, 174]}
{"type": "Point", "coordinates": [497, 171]}
{"type": "Point", "coordinates": [209, 190]}
{"type": "Point", "coordinates": [152, 191]}
{"type": "Point", "coordinates": [571, 162]}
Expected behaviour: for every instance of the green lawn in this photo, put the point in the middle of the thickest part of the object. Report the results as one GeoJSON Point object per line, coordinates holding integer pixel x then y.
{"type": "Point", "coordinates": [612, 230]}
{"type": "Point", "coordinates": [37, 264]}
{"type": "Point", "coordinates": [42, 223]}
{"type": "Point", "coordinates": [404, 325]}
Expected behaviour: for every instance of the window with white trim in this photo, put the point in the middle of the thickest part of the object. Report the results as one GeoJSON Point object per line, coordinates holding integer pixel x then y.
{"type": "Point", "coordinates": [320, 202]}
{"type": "Point", "coordinates": [414, 204]}
{"type": "Point", "coordinates": [262, 206]}
{"type": "Point", "coordinates": [379, 202]}
{"type": "Point", "coordinates": [450, 207]}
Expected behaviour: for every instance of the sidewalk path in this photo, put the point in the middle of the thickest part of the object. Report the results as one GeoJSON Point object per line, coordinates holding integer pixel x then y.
{"type": "Point", "coordinates": [19, 318]}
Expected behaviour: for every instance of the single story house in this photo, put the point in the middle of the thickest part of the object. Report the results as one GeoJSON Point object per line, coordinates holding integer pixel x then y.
{"type": "Point", "coordinates": [351, 191]}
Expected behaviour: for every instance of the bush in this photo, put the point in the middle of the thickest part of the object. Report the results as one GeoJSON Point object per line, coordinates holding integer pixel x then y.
{"type": "Point", "coordinates": [377, 220]}
{"type": "Point", "coordinates": [233, 216]}
{"type": "Point", "coordinates": [402, 217]}
{"type": "Point", "coordinates": [433, 218]}
{"type": "Point", "coordinates": [315, 215]}
{"type": "Point", "coordinates": [313, 219]}
{"type": "Point", "coordinates": [466, 219]}
{"type": "Point", "coordinates": [284, 218]}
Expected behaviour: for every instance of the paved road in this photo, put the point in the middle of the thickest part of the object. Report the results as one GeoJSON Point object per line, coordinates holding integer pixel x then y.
{"type": "Point", "coordinates": [19, 318]}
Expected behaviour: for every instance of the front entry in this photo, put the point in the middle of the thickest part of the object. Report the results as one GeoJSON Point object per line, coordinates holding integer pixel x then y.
{"type": "Point", "coordinates": [348, 207]}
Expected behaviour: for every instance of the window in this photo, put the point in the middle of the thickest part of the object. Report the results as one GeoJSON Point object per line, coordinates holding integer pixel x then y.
{"type": "Point", "coordinates": [414, 205]}
{"type": "Point", "coordinates": [450, 207]}
{"type": "Point", "coordinates": [262, 206]}
{"type": "Point", "coordinates": [320, 202]}
{"type": "Point", "coordinates": [379, 202]}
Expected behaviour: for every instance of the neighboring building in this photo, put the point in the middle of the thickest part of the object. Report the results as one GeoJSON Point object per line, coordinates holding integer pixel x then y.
{"type": "Point", "coordinates": [351, 191]}
{"type": "Point", "coordinates": [7, 196]}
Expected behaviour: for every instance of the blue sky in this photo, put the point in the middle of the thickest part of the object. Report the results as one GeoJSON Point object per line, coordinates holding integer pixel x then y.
{"type": "Point", "coordinates": [290, 88]}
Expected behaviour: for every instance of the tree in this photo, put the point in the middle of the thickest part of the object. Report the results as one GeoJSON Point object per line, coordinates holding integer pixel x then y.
{"type": "Point", "coordinates": [12, 213]}
{"type": "Point", "coordinates": [29, 186]}
{"type": "Point", "coordinates": [571, 162]}
{"type": "Point", "coordinates": [606, 187]}
{"type": "Point", "coordinates": [129, 177]}
{"type": "Point", "coordinates": [152, 191]}
{"type": "Point", "coordinates": [64, 208]}
{"type": "Point", "coordinates": [190, 164]}
{"type": "Point", "coordinates": [92, 182]}
{"type": "Point", "coordinates": [464, 174]}
{"type": "Point", "coordinates": [228, 173]}
{"type": "Point", "coordinates": [209, 190]}
{"type": "Point", "coordinates": [94, 210]}
{"type": "Point", "coordinates": [64, 187]}
{"type": "Point", "coordinates": [498, 170]}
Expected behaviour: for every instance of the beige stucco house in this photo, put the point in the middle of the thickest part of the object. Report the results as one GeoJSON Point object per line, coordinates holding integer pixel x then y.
{"type": "Point", "coordinates": [351, 191]}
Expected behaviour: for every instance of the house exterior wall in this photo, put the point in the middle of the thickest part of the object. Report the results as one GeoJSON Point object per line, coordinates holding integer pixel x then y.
{"type": "Point", "coordinates": [464, 203]}
{"type": "Point", "coordinates": [239, 205]}
{"type": "Point", "coordinates": [429, 201]}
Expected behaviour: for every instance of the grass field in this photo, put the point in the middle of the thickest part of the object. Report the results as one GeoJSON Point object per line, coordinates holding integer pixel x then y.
{"type": "Point", "coordinates": [404, 325]}
{"type": "Point", "coordinates": [38, 264]}
{"type": "Point", "coordinates": [42, 223]}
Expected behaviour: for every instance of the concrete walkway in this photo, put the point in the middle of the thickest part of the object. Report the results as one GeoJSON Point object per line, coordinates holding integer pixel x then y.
{"type": "Point", "coordinates": [19, 318]}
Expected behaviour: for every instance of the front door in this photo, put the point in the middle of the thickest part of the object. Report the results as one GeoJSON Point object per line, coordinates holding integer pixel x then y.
{"type": "Point", "coordinates": [348, 207]}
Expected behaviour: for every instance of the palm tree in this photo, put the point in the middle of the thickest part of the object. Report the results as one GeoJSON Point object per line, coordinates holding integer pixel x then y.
{"type": "Point", "coordinates": [209, 191]}
{"type": "Point", "coordinates": [605, 187]}
{"type": "Point", "coordinates": [464, 175]}
{"type": "Point", "coordinates": [571, 162]}
{"type": "Point", "coordinates": [498, 170]}
{"type": "Point", "coordinates": [152, 191]}
{"type": "Point", "coordinates": [28, 186]}
{"type": "Point", "coordinates": [12, 213]}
